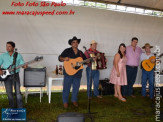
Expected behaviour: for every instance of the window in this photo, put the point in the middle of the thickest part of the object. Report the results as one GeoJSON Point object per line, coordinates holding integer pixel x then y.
{"type": "Point", "coordinates": [122, 8]}
{"type": "Point", "coordinates": [68, 1]}
{"type": "Point", "coordinates": [100, 5]}
{"type": "Point", "coordinates": [110, 6]}
{"type": "Point", "coordinates": [148, 12]}
{"type": "Point", "coordinates": [158, 13]}
{"type": "Point", "coordinates": [130, 9]}
{"type": "Point", "coordinates": [139, 10]}
{"type": "Point", "coordinates": [91, 4]}
{"type": "Point", "coordinates": [161, 14]}
{"type": "Point", "coordinates": [78, 2]}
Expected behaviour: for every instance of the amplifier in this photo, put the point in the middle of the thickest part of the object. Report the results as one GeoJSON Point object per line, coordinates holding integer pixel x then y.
{"type": "Point", "coordinates": [35, 77]}
{"type": "Point", "coordinates": [106, 88]}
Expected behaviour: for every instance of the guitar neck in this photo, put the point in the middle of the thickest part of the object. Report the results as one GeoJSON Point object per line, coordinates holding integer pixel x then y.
{"type": "Point", "coordinates": [160, 55]}
{"type": "Point", "coordinates": [86, 60]}
{"type": "Point", "coordinates": [18, 67]}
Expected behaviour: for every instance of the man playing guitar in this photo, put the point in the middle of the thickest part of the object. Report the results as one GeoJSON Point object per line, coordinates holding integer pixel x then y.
{"type": "Point", "coordinates": [6, 59]}
{"type": "Point", "coordinates": [68, 54]}
{"type": "Point", "coordinates": [147, 75]}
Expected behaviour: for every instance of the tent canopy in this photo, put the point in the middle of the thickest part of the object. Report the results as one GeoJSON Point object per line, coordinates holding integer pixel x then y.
{"type": "Point", "coordinates": [147, 4]}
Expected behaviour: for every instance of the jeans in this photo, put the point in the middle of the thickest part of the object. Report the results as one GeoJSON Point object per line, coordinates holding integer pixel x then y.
{"type": "Point", "coordinates": [9, 83]}
{"type": "Point", "coordinates": [95, 79]}
{"type": "Point", "coordinates": [68, 81]}
{"type": "Point", "coordinates": [127, 90]}
{"type": "Point", "coordinates": [148, 75]}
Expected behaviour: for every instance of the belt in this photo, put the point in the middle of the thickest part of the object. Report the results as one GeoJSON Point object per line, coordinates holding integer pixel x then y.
{"type": "Point", "coordinates": [132, 66]}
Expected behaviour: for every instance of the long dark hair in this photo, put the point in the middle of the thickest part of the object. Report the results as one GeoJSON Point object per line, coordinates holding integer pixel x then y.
{"type": "Point", "coordinates": [122, 44]}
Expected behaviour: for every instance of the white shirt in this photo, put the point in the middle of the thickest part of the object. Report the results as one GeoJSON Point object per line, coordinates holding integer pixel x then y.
{"type": "Point", "coordinates": [144, 56]}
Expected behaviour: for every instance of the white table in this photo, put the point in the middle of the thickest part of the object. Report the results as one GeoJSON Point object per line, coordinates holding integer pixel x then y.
{"type": "Point", "coordinates": [52, 77]}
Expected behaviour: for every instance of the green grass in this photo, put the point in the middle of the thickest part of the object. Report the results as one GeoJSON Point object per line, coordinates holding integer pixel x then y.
{"type": "Point", "coordinates": [109, 109]}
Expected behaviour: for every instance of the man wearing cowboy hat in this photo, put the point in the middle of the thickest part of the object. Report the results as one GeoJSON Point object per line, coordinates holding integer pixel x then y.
{"type": "Point", "coordinates": [147, 75]}
{"type": "Point", "coordinates": [95, 73]}
{"type": "Point", "coordinates": [72, 52]}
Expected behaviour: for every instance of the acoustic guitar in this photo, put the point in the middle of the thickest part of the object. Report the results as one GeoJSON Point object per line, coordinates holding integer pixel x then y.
{"type": "Point", "coordinates": [74, 65]}
{"type": "Point", "coordinates": [148, 65]}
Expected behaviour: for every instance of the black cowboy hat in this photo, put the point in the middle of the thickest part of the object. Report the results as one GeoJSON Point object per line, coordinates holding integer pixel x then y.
{"type": "Point", "coordinates": [74, 38]}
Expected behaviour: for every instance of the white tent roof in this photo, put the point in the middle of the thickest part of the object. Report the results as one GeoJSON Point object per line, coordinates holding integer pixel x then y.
{"type": "Point", "coordinates": [148, 4]}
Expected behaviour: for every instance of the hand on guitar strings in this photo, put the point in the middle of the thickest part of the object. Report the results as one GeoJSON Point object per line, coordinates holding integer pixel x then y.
{"type": "Point", "coordinates": [94, 59]}
{"type": "Point", "coordinates": [153, 60]}
{"type": "Point", "coordinates": [66, 59]}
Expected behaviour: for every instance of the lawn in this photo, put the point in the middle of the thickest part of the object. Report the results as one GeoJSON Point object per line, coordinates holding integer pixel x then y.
{"type": "Point", "coordinates": [109, 108]}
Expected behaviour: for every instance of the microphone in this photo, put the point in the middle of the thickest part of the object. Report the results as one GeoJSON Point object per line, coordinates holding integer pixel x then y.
{"type": "Point", "coordinates": [16, 49]}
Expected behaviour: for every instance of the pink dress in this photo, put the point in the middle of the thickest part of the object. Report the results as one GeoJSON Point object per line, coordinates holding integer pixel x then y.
{"type": "Point", "coordinates": [122, 80]}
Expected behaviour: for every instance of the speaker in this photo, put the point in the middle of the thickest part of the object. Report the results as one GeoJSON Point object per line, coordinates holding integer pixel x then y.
{"type": "Point", "coordinates": [35, 77]}
{"type": "Point", "coordinates": [71, 117]}
{"type": "Point", "coordinates": [106, 88]}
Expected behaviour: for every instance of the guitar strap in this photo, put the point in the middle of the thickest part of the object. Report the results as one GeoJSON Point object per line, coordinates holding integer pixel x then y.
{"type": "Point", "coordinates": [81, 54]}
{"type": "Point", "coordinates": [14, 59]}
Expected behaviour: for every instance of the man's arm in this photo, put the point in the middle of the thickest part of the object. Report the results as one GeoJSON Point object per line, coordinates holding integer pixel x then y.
{"type": "Point", "coordinates": [1, 61]}
{"type": "Point", "coordinates": [141, 57]}
{"type": "Point", "coordinates": [141, 51]}
{"type": "Point", "coordinates": [22, 61]}
{"type": "Point", "coordinates": [63, 56]}
{"type": "Point", "coordinates": [1, 72]}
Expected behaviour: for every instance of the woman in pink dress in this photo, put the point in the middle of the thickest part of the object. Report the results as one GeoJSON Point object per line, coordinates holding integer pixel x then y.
{"type": "Point", "coordinates": [118, 75]}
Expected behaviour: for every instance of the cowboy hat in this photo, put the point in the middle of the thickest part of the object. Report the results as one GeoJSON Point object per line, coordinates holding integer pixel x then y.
{"type": "Point", "coordinates": [93, 42]}
{"type": "Point", "coordinates": [147, 45]}
{"type": "Point", "coordinates": [74, 38]}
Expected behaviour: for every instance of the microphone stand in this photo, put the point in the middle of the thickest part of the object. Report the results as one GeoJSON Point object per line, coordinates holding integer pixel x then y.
{"type": "Point", "coordinates": [89, 114]}
{"type": "Point", "coordinates": [14, 78]}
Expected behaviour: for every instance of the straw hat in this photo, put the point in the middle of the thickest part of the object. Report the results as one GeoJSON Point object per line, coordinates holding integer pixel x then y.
{"type": "Point", "coordinates": [93, 42]}
{"type": "Point", "coordinates": [147, 45]}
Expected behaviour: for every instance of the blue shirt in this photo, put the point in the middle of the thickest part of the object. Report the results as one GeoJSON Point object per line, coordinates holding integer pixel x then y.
{"type": "Point", "coordinates": [6, 60]}
{"type": "Point", "coordinates": [144, 56]}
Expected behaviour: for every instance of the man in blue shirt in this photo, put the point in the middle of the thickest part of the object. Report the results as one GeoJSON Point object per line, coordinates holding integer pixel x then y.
{"type": "Point", "coordinates": [6, 59]}
{"type": "Point", "coordinates": [147, 75]}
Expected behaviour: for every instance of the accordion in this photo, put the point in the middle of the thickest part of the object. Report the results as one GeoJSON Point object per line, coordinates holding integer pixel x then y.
{"type": "Point", "coordinates": [100, 62]}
